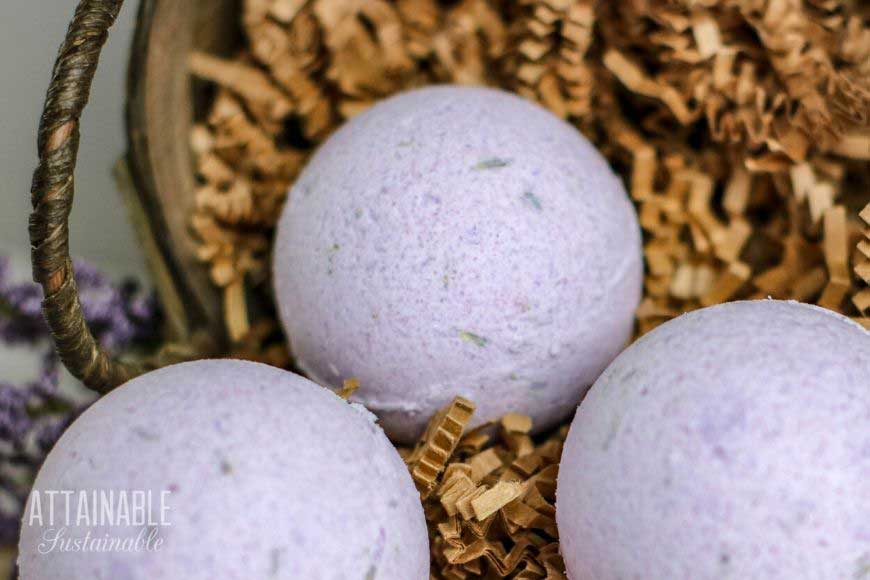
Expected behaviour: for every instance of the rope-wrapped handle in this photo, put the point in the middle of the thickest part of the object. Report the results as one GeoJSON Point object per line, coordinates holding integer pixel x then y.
{"type": "Point", "coordinates": [52, 196]}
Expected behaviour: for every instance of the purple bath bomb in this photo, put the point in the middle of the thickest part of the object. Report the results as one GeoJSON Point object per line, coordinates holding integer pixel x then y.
{"type": "Point", "coordinates": [732, 442]}
{"type": "Point", "coordinates": [268, 476]}
{"type": "Point", "coordinates": [458, 241]}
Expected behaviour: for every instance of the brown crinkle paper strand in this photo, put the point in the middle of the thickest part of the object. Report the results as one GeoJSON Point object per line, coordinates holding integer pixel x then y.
{"type": "Point", "coordinates": [742, 128]}
{"type": "Point", "coordinates": [489, 496]}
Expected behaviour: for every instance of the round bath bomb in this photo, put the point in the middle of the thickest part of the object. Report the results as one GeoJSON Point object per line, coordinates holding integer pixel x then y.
{"type": "Point", "coordinates": [732, 442]}
{"type": "Point", "coordinates": [458, 241]}
{"type": "Point", "coordinates": [239, 470]}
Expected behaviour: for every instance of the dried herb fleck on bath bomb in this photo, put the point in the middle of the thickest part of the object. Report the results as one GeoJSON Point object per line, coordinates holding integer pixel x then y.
{"type": "Point", "coordinates": [268, 474]}
{"type": "Point", "coordinates": [458, 241]}
{"type": "Point", "coordinates": [732, 442]}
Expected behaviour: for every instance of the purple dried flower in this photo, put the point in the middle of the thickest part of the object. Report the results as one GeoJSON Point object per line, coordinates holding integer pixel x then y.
{"type": "Point", "coordinates": [15, 422]}
{"type": "Point", "coordinates": [21, 311]}
{"type": "Point", "coordinates": [88, 276]}
{"type": "Point", "coordinates": [26, 299]}
{"type": "Point", "coordinates": [9, 526]}
{"type": "Point", "coordinates": [49, 376]}
{"type": "Point", "coordinates": [143, 307]}
{"type": "Point", "coordinates": [50, 430]}
{"type": "Point", "coordinates": [21, 320]}
{"type": "Point", "coordinates": [118, 315]}
{"type": "Point", "coordinates": [34, 415]}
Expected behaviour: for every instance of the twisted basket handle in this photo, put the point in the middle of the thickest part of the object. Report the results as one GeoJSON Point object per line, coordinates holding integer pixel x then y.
{"type": "Point", "coordinates": [52, 197]}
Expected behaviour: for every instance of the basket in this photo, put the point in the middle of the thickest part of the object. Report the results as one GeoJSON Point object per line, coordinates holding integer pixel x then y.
{"type": "Point", "coordinates": [159, 164]}
{"type": "Point", "coordinates": [165, 103]}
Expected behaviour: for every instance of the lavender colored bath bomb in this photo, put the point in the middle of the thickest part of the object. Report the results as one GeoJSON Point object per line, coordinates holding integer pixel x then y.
{"type": "Point", "coordinates": [268, 476]}
{"type": "Point", "coordinates": [458, 241]}
{"type": "Point", "coordinates": [732, 442]}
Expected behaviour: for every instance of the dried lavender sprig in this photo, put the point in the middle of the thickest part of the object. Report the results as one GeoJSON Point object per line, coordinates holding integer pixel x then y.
{"type": "Point", "coordinates": [20, 310]}
{"type": "Point", "coordinates": [35, 414]}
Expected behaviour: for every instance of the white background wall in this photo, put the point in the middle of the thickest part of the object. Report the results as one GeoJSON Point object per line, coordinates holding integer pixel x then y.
{"type": "Point", "coordinates": [30, 33]}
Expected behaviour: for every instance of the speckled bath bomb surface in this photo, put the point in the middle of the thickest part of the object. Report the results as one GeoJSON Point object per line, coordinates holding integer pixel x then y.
{"type": "Point", "coordinates": [271, 476]}
{"type": "Point", "coordinates": [458, 241]}
{"type": "Point", "coordinates": [730, 443]}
